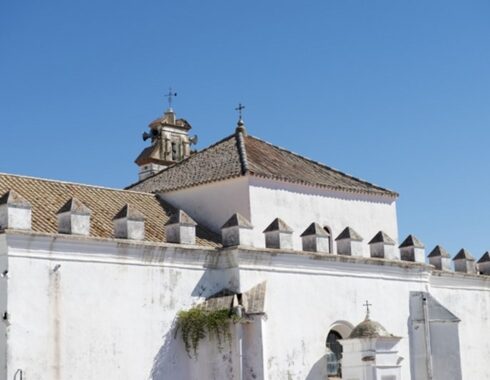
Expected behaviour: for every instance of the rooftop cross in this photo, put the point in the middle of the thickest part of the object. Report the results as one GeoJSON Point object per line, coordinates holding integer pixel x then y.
{"type": "Point", "coordinates": [239, 109]}
{"type": "Point", "coordinates": [171, 94]}
{"type": "Point", "coordinates": [367, 304]}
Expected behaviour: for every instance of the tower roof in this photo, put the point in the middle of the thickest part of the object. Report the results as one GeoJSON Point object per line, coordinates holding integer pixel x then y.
{"type": "Point", "coordinates": [240, 154]}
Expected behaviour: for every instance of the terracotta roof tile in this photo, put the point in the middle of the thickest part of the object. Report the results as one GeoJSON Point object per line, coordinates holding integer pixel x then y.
{"type": "Point", "coordinates": [238, 154]}
{"type": "Point", "coordinates": [47, 196]}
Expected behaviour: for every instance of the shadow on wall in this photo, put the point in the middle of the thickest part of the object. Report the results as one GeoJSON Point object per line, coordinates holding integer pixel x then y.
{"type": "Point", "coordinates": [172, 360]}
{"type": "Point", "coordinates": [319, 370]}
{"type": "Point", "coordinates": [215, 280]}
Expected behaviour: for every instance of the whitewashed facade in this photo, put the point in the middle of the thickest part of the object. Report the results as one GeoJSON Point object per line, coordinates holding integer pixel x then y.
{"type": "Point", "coordinates": [93, 280]}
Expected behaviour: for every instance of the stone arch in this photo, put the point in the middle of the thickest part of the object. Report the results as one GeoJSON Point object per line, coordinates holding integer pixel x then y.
{"type": "Point", "coordinates": [337, 331]}
{"type": "Point", "coordinates": [344, 328]}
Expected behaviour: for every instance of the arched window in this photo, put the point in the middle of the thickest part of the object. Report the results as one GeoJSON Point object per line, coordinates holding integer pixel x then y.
{"type": "Point", "coordinates": [330, 239]}
{"type": "Point", "coordinates": [334, 354]}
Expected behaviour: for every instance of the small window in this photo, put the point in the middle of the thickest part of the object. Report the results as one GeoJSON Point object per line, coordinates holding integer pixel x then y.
{"type": "Point", "coordinates": [334, 354]}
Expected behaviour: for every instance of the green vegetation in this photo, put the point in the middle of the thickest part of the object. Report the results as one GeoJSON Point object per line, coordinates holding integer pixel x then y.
{"type": "Point", "coordinates": [195, 324]}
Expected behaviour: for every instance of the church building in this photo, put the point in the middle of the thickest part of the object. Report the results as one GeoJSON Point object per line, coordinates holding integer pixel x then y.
{"type": "Point", "coordinates": [240, 261]}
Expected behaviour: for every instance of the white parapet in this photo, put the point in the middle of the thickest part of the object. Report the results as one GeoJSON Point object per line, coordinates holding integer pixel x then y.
{"type": "Point", "coordinates": [412, 249]}
{"type": "Point", "coordinates": [74, 218]}
{"type": "Point", "coordinates": [440, 258]}
{"type": "Point", "coordinates": [237, 231]}
{"type": "Point", "coordinates": [349, 243]}
{"type": "Point", "coordinates": [129, 223]}
{"type": "Point", "coordinates": [278, 235]}
{"type": "Point", "coordinates": [316, 239]}
{"type": "Point", "coordinates": [181, 229]}
{"type": "Point", "coordinates": [383, 246]}
{"type": "Point", "coordinates": [15, 212]}
{"type": "Point", "coordinates": [484, 264]}
{"type": "Point", "coordinates": [464, 262]}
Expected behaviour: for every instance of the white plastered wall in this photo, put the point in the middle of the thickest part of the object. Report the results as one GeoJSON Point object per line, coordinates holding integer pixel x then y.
{"type": "Point", "coordinates": [107, 311]}
{"type": "Point", "coordinates": [262, 200]}
{"type": "Point", "coordinates": [83, 310]}
{"type": "Point", "coordinates": [212, 204]}
{"type": "Point", "coordinates": [303, 302]}
{"type": "Point", "coordinates": [3, 305]}
{"type": "Point", "coordinates": [300, 205]}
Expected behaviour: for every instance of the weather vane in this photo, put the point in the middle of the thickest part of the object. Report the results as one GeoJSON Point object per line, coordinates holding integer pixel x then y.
{"type": "Point", "coordinates": [171, 94]}
{"type": "Point", "coordinates": [367, 304]}
{"type": "Point", "coordinates": [240, 108]}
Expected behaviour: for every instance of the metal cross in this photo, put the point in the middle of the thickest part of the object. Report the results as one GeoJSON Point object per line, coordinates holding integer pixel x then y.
{"type": "Point", "coordinates": [171, 94]}
{"type": "Point", "coordinates": [239, 109]}
{"type": "Point", "coordinates": [367, 304]}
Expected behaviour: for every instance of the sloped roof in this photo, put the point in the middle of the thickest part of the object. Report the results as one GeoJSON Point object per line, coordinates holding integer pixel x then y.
{"type": "Point", "coordinates": [237, 220]}
{"type": "Point", "coordinates": [11, 198]}
{"type": "Point", "coordinates": [47, 196]}
{"type": "Point", "coordinates": [438, 251]}
{"type": "Point", "coordinates": [382, 237]}
{"type": "Point", "coordinates": [278, 225]}
{"type": "Point", "coordinates": [253, 300]}
{"type": "Point", "coordinates": [412, 241]}
{"type": "Point", "coordinates": [74, 206]}
{"type": "Point", "coordinates": [349, 233]}
{"type": "Point", "coordinates": [485, 258]}
{"type": "Point", "coordinates": [464, 254]}
{"type": "Point", "coordinates": [314, 229]}
{"type": "Point", "coordinates": [241, 154]}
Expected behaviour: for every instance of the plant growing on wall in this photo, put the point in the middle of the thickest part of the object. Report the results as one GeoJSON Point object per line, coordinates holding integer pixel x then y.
{"type": "Point", "coordinates": [196, 323]}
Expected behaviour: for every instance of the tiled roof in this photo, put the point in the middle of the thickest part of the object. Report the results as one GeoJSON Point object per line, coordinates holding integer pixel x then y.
{"type": "Point", "coordinates": [240, 154]}
{"type": "Point", "coordinates": [47, 196]}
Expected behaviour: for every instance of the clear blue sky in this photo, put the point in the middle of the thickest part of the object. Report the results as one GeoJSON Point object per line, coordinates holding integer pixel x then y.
{"type": "Point", "coordinates": [395, 92]}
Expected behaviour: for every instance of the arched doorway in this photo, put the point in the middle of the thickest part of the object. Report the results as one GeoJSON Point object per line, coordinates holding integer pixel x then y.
{"type": "Point", "coordinates": [334, 354]}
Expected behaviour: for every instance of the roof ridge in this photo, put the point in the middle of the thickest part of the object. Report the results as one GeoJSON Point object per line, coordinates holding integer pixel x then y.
{"type": "Point", "coordinates": [181, 162]}
{"type": "Point", "coordinates": [72, 183]}
{"type": "Point", "coordinates": [324, 166]}
{"type": "Point", "coordinates": [242, 151]}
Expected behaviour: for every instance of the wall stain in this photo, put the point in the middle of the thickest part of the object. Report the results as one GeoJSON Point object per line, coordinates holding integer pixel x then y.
{"type": "Point", "coordinates": [55, 311]}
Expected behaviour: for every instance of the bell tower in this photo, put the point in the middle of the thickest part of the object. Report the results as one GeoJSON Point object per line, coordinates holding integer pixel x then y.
{"type": "Point", "coordinates": [170, 142]}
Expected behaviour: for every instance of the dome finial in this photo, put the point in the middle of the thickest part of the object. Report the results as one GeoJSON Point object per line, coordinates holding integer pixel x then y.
{"type": "Point", "coordinates": [367, 304]}
{"type": "Point", "coordinates": [240, 124]}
